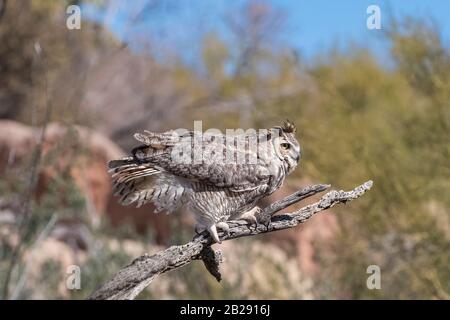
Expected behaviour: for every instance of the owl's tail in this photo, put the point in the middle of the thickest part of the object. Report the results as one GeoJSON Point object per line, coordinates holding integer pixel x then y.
{"type": "Point", "coordinates": [141, 183]}
{"type": "Point", "coordinates": [133, 182]}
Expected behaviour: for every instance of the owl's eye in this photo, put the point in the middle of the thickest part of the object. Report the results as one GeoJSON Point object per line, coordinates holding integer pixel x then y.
{"type": "Point", "coordinates": [285, 146]}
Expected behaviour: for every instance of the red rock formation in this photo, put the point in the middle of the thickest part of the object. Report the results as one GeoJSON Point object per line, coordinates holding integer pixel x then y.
{"type": "Point", "coordinates": [80, 154]}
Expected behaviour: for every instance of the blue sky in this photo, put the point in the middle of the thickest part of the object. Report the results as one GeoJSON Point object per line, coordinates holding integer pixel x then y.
{"type": "Point", "coordinates": [319, 24]}
{"type": "Point", "coordinates": [311, 26]}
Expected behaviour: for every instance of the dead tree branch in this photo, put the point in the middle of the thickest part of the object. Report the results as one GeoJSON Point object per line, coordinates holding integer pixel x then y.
{"type": "Point", "coordinates": [133, 278]}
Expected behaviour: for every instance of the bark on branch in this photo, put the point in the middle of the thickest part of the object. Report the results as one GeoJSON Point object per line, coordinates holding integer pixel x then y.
{"type": "Point", "coordinates": [133, 278]}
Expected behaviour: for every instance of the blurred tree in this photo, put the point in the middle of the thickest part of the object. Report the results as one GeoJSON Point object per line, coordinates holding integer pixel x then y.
{"type": "Point", "coordinates": [64, 58]}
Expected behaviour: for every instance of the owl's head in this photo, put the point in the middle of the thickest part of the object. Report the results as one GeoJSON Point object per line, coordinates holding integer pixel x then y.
{"type": "Point", "coordinates": [286, 145]}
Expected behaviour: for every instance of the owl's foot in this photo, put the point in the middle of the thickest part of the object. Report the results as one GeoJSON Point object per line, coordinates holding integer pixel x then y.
{"type": "Point", "coordinates": [251, 215]}
{"type": "Point", "coordinates": [213, 232]}
{"type": "Point", "coordinates": [219, 225]}
{"type": "Point", "coordinates": [223, 226]}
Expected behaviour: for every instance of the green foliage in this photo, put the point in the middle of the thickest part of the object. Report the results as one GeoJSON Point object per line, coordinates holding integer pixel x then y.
{"type": "Point", "coordinates": [359, 120]}
{"type": "Point", "coordinates": [391, 126]}
{"type": "Point", "coordinates": [57, 71]}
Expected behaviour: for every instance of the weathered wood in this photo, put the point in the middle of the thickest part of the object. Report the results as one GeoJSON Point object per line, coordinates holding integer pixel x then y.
{"type": "Point", "coordinates": [133, 278]}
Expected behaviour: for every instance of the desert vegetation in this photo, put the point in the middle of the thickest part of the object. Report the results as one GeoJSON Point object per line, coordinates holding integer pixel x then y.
{"type": "Point", "coordinates": [71, 99]}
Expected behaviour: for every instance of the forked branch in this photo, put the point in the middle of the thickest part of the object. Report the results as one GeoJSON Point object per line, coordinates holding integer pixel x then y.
{"type": "Point", "coordinates": [133, 278]}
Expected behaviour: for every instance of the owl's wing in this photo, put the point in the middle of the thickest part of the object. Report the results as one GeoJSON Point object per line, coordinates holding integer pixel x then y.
{"type": "Point", "coordinates": [242, 171]}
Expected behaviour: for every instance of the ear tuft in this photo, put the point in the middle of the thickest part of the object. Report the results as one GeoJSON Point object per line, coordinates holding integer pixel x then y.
{"type": "Point", "coordinates": [289, 127]}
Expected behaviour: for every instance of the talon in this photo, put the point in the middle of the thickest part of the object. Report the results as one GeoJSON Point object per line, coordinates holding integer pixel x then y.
{"type": "Point", "coordinates": [250, 216]}
{"type": "Point", "coordinates": [249, 219]}
{"type": "Point", "coordinates": [213, 232]}
{"type": "Point", "coordinates": [224, 227]}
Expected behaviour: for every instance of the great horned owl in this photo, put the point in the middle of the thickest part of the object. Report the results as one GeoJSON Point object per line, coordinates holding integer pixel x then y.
{"type": "Point", "coordinates": [220, 177]}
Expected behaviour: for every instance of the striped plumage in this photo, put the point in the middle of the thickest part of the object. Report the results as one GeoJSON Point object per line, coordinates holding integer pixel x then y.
{"type": "Point", "coordinates": [215, 189]}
